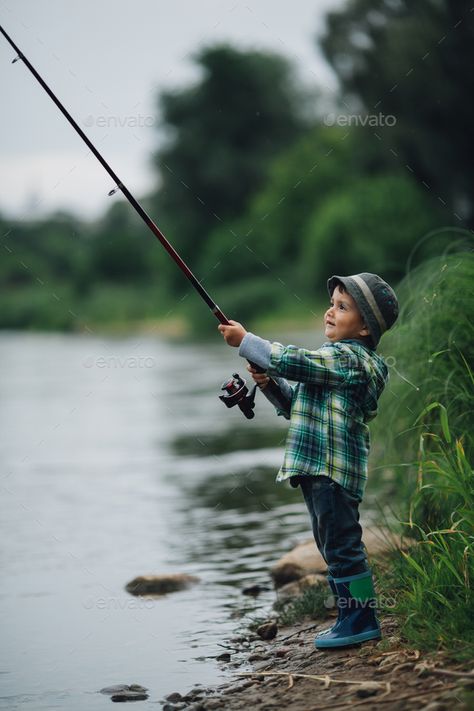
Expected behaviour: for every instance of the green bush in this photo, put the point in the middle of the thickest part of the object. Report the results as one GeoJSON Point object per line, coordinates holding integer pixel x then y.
{"type": "Point", "coordinates": [370, 226]}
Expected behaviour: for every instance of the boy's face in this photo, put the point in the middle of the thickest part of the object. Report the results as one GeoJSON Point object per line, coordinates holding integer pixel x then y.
{"type": "Point", "coordinates": [343, 319]}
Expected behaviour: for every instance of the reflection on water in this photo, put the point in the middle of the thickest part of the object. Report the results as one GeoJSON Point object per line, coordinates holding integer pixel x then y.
{"type": "Point", "coordinates": [117, 461]}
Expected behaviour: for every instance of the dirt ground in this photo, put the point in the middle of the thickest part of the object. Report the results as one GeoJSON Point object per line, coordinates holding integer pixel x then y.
{"type": "Point", "coordinates": [287, 672]}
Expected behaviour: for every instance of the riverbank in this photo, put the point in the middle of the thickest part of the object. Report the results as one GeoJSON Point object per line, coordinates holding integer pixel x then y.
{"type": "Point", "coordinates": [274, 664]}
{"type": "Point", "coordinates": [287, 672]}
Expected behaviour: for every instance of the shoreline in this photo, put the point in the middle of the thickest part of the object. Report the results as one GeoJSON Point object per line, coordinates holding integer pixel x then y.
{"type": "Point", "coordinates": [288, 672]}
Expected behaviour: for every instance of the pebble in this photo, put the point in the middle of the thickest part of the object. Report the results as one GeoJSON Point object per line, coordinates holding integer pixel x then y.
{"type": "Point", "coordinates": [268, 630]}
{"type": "Point", "coordinates": [129, 696]}
{"type": "Point", "coordinates": [117, 688]}
{"type": "Point", "coordinates": [282, 651]}
{"type": "Point", "coordinates": [174, 697]}
{"type": "Point", "coordinates": [368, 688]}
{"type": "Point", "coordinates": [224, 657]}
{"type": "Point", "coordinates": [255, 657]}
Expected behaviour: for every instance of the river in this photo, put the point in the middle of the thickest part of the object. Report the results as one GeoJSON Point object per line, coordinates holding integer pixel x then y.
{"type": "Point", "coordinates": [118, 459]}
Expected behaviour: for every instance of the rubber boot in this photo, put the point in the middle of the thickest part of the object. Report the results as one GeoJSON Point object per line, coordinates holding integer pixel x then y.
{"type": "Point", "coordinates": [332, 585]}
{"type": "Point", "coordinates": [357, 619]}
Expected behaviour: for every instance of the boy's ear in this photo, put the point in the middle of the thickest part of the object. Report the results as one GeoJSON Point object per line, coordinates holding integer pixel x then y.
{"type": "Point", "coordinates": [364, 331]}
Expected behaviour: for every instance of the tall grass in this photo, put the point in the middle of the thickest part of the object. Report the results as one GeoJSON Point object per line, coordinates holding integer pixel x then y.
{"type": "Point", "coordinates": [427, 353]}
{"type": "Point", "coordinates": [427, 424]}
{"type": "Point", "coordinates": [433, 583]}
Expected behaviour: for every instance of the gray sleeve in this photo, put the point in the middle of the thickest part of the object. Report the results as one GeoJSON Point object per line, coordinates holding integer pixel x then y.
{"type": "Point", "coordinates": [258, 350]}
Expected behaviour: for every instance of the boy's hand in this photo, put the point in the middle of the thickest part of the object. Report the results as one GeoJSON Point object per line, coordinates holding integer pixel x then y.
{"type": "Point", "coordinates": [261, 379]}
{"type": "Point", "coordinates": [233, 334]}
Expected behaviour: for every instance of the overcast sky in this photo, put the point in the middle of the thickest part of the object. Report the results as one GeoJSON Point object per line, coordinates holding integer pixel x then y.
{"type": "Point", "coordinates": [107, 60]}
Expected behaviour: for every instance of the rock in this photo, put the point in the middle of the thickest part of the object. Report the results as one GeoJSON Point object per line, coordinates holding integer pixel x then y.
{"type": "Point", "coordinates": [268, 630]}
{"type": "Point", "coordinates": [305, 558]}
{"type": "Point", "coordinates": [255, 657]}
{"type": "Point", "coordinates": [214, 704]}
{"type": "Point", "coordinates": [129, 696]}
{"type": "Point", "coordinates": [118, 688]}
{"type": "Point", "coordinates": [174, 697]}
{"type": "Point", "coordinates": [224, 657]}
{"type": "Point", "coordinates": [160, 584]}
{"type": "Point", "coordinates": [114, 689]}
{"type": "Point", "coordinates": [282, 651]}
{"type": "Point", "coordinates": [368, 688]}
{"type": "Point", "coordinates": [297, 587]}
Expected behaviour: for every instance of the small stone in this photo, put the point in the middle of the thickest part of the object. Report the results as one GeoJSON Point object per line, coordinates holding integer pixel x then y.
{"type": "Point", "coordinates": [224, 657]}
{"type": "Point", "coordinates": [174, 697]}
{"type": "Point", "coordinates": [255, 657]}
{"type": "Point", "coordinates": [214, 704]}
{"type": "Point", "coordinates": [129, 696]}
{"type": "Point", "coordinates": [268, 630]}
{"type": "Point", "coordinates": [114, 689]}
{"type": "Point", "coordinates": [282, 651]}
{"type": "Point", "coordinates": [160, 584]}
{"type": "Point", "coordinates": [368, 688]}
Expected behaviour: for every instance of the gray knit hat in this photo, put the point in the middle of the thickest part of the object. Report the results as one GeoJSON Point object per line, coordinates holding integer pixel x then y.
{"type": "Point", "coordinates": [375, 299]}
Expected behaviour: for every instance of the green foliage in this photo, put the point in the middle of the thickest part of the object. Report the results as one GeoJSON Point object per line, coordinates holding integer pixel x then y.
{"type": "Point", "coordinates": [370, 226]}
{"type": "Point", "coordinates": [433, 582]}
{"type": "Point", "coordinates": [409, 60]}
{"type": "Point", "coordinates": [426, 424]}
{"type": "Point", "coordinates": [223, 131]}
{"type": "Point", "coordinates": [244, 300]}
{"type": "Point", "coordinates": [311, 603]}
{"type": "Point", "coordinates": [427, 352]}
{"type": "Point", "coordinates": [120, 247]}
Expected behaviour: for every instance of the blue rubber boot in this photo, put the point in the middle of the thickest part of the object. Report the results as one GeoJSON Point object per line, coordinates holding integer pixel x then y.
{"type": "Point", "coordinates": [332, 585]}
{"type": "Point", "coordinates": [357, 619]}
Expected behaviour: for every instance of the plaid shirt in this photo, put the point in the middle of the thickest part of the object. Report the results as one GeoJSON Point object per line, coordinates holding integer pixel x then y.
{"type": "Point", "coordinates": [336, 395]}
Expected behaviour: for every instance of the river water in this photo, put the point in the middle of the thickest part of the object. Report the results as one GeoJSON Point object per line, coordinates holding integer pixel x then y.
{"type": "Point", "coordinates": [118, 459]}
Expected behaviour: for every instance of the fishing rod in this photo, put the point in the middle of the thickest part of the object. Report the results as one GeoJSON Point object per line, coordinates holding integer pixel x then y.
{"type": "Point", "coordinates": [236, 391]}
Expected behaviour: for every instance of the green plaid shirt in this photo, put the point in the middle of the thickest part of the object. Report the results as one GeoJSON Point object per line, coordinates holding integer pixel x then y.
{"type": "Point", "coordinates": [336, 395]}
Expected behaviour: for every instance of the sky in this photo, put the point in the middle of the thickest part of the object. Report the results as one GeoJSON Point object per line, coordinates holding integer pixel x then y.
{"type": "Point", "coordinates": [107, 61]}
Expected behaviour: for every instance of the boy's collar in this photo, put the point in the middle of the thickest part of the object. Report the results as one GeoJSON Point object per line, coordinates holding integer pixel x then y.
{"type": "Point", "coordinates": [354, 340]}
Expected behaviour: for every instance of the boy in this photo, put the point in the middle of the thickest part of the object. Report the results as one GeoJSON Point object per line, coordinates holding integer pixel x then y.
{"type": "Point", "coordinates": [326, 452]}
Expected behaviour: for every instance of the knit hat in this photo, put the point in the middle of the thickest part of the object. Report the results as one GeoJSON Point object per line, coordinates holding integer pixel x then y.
{"type": "Point", "coordinates": [375, 299]}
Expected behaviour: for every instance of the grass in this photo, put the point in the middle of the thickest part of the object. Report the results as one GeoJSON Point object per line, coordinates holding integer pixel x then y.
{"type": "Point", "coordinates": [314, 602]}
{"type": "Point", "coordinates": [433, 581]}
{"type": "Point", "coordinates": [428, 417]}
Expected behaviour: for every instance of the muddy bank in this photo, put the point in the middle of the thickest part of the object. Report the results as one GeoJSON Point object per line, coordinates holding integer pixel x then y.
{"type": "Point", "coordinates": [278, 667]}
{"type": "Point", "coordinates": [287, 672]}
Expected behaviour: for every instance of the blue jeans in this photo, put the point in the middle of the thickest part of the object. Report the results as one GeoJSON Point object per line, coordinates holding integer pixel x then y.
{"type": "Point", "coordinates": [334, 513]}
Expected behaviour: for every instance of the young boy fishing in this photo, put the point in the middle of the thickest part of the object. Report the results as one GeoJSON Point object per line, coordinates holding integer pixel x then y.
{"type": "Point", "coordinates": [335, 396]}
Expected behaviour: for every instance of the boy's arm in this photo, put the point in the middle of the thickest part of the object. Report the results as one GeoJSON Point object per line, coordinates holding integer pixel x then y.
{"type": "Point", "coordinates": [258, 350]}
{"type": "Point", "coordinates": [329, 365]}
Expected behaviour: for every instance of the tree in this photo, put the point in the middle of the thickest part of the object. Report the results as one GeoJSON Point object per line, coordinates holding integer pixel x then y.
{"type": "Point", "coordinates": [413, 61]}
{"type": "Point", "coordinates": [222, 133]}
{"type": "Point", "coordinates": [372, 226]}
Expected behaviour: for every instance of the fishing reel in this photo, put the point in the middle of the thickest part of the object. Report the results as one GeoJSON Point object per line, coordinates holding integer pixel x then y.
{"type": "Point", "coordinates": [237, 393]}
